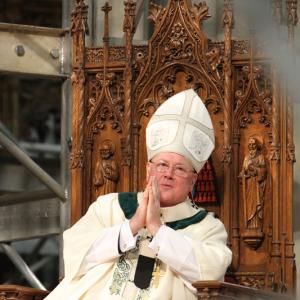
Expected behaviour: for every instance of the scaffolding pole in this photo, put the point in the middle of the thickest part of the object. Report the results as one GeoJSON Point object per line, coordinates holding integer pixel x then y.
{"type": "Point", "coordinates": [22, 266]}
{"type": "Point", "coordinates": [34, 168]}
{"type": "Point", "coordinates": [22, 197]}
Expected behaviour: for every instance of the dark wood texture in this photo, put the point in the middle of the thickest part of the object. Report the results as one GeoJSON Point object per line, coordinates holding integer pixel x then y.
{"type": "Point", "coordinates": [15, 292]}
{"type": "Point", "coordinates": [215, 290]}
{"type": "Point", "coordinates": [117, 89]}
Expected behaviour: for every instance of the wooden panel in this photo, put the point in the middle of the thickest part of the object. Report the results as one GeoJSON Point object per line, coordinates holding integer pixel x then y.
{"type": "Point", "coordinates": [15, 292]}
{"type": "Point", "coordinates": [225, 291]}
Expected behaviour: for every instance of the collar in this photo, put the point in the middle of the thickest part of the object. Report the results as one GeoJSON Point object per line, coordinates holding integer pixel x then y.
{"type": "Point", "coordinates": [176, 217]}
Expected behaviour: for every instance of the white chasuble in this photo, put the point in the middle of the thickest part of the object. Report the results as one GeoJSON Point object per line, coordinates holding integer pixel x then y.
{"type": "Point", "coordinates": [114, 279]}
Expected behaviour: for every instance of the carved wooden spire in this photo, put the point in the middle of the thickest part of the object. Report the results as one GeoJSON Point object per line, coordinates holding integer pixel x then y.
{"type": "Point", "coordinates": [106, 8]}
{"type": "Point", "coordinates": [79, 18]}
{"type": "Point", "coordinates": [79, 28]}
{"type": "Point", "coordinates": [292, 17]}
{"type": "Point", "coordinates": [292, 20]}
{"type": "Point", "coordinates": [129, 29]}
{"type": "Point", "coordinates": [228, 22]}
{"type": "Point", "coordinates": [227, 18]}
{"type": "Point", "coordinates": [277, 11]}
{"type": "Point", "coordinates": [129, 17]}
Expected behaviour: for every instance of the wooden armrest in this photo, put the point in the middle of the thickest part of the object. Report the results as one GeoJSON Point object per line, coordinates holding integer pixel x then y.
{"type": "Point", "coordinates": [17, 292]}
{"type": "Point", "coordinates": [222, 290]}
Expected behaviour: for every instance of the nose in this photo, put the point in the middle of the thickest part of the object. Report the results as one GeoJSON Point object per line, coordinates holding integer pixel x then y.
{"type": "Point", "coordinates": [170, 172]}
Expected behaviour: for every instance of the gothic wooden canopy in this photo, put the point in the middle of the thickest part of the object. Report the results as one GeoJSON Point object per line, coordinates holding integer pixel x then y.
{"type": "Point", "coordinates": [247, 181]}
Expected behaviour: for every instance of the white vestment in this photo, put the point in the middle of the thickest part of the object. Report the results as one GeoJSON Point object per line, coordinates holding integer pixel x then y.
{"type": "Point", "coordinates": [113, 278]}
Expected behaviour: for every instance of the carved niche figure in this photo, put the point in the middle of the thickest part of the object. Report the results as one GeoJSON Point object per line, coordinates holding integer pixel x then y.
{"type": "Point", "coordinates": [107, 171]}
{"type": "Point", "coordinates": [253, 179]}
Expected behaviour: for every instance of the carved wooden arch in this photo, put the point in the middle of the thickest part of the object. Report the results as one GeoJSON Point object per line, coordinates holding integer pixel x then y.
{"type": "Point", "coordinates": [158, 90]}
{"type": "Point", "coordinates": [253, 119]}
{"type": "Point", "coordinates": [251, 97]}
{"type": "Point", "coordinates": [181, 49]}
{"type": "Point", "coordinates": [189, 17]}
{"type": "Point", "coordinates": [102, 95]}
{"type": "Point", "coordinates": [165, 78]}
{"type": "Point", "coordinates": [182, 41]}
{"type": "Point", "coordinates": [104, 110]}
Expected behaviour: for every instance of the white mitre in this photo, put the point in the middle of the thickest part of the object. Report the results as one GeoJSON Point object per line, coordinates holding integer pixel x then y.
{"type": "Point", "coordinates": [182, 125]}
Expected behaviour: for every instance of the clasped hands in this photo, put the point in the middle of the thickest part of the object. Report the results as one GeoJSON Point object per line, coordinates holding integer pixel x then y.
{"type": "Point", "coordinates": [148, 212]}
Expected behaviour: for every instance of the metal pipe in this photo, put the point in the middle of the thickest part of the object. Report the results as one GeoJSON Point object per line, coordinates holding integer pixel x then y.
{"type": "Point", "coordinates": [7, 132]}
{"type": "Point", "coordinates": [139, 9]}
{"type": "Point", "coordinates": [39, 264]}
{"type": "Point", "coordinates": [65, 210]}
{"type": "Point", "coordinates": [36, 249]}
{"type": "Point", "coordinates": [65, 134]}
{"type": "Point", "coordinates": [21, 197]}
{"type": "Point", "coordinates": [32, 166]}
{"type": "Point", "coordinates": [41, 147]}
{"type": "Point", "coordinates": [66, 12]}
{"type": "Point", "coordinates": [22, 266]}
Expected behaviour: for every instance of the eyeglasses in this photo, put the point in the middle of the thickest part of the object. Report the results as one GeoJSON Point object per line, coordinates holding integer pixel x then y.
{"type": "Point", "coordinates": [163, 167]}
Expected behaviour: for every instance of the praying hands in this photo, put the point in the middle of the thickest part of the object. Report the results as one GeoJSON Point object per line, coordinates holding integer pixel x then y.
{"type": "Point", "coordinates": [148, 212]}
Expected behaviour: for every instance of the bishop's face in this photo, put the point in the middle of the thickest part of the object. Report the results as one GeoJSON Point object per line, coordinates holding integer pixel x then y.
{"type": "Point", "coordinates": [175, 176]}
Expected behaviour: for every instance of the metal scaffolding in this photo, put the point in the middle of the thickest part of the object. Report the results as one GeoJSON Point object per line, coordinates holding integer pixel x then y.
{"type": "Point", "coordinates": [55, 65]}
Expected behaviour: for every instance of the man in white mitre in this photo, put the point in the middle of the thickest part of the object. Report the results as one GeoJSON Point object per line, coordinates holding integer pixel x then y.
{"type": "Point", "coordinates": [153, 244]}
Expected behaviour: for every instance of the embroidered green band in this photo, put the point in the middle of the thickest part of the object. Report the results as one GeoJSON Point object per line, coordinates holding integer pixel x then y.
{"type": "Point", "coordinates": [128, 203]}
{"type": "Point", "coordinates": [180, 224]}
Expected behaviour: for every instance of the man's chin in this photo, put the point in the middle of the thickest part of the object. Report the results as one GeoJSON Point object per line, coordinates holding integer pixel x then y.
{"type": "Point", "coordinates": [165, 201]}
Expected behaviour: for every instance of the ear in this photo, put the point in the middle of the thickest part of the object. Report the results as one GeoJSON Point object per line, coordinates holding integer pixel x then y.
{"type": "Point", "coordinates": [194, 179]}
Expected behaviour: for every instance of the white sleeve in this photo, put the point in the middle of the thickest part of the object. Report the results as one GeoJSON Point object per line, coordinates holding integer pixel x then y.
{"type": "Point", "coordinates": [127, 240]}
{"type": "Point", "coordinates": [176, 251]}
{"type": "Point", "coordinates": [106, 246]}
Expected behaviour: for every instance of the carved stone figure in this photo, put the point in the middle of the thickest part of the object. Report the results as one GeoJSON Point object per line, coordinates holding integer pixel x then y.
{"type": "Point", "coordinates": [107, 171]}
{"type": "Point", "coordinates": [253, 176]}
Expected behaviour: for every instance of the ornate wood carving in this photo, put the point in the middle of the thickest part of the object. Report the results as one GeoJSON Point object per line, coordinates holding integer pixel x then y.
{"type": "Point", "coordinates": [253, 179]}
{"type": "Point", "coordinates": [107, 170]}
{"type": "Point", "coordinates": [227, 149]}
{"type": "Point", "coordinates": [116, 89]}
{"type": "Point", "coordinates": [277, 11]}
{"type": "Point", "coordinates": [155, 13]}
{"type": "Point", "coordinates": [79, 28]}
{"type": "Point", "coordinates": [96, 55]}
{"type": "Point", "coordinates": [292, 18]}
{"type": "Point", "coordinates": [223, 290]}
{"type": "Point", "coordinates": [105, 105]}
{"type": "Point", "coordinates": [129, 29]}
{"type": "Point", "coordinates": [287, 254]}
{"type": "Point", "coordinates": [15, 292]}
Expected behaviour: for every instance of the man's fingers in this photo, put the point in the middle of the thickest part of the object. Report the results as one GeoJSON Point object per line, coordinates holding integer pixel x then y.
{"type": "Point", "coordinates": [155, 191]}
{"type": "Point", "coordinates": [151, 192]}
{"type": "Point", "coordinates": [153, 221]}
{"type": "Point", "coordinates": [146, 196]}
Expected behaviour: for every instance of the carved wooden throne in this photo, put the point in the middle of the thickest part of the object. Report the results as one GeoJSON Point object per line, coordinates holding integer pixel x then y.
{"type": "Point", "coordinates": [247, 181]}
